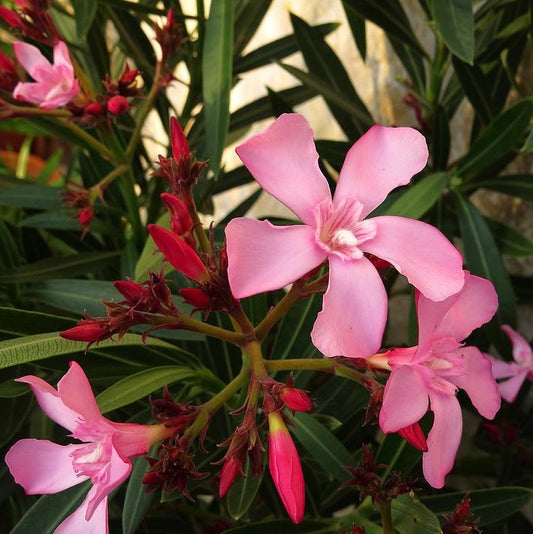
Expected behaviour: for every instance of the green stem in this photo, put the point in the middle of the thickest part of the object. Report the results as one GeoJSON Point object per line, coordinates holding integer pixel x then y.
{"type": "Point", "coordinates": [386, 518]}
{"type": "Point", "coordinates": [106, 180]}
{"type": "Point", "coordinates": [90, 140]}
{"type": "Point", "coordinates": [257, 362]}
{"type": "Point", "coordinates": [277, 312]}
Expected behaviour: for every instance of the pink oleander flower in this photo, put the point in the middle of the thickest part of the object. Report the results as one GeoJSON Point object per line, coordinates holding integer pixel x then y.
{"type": "Point", "coordinates": [41, 466]}
{"type": "Point", "coordinates": [263, 257]}
{"type": "Point", "coordinates": [285, 467]}
{"type": "Point", "coordinates": [54, 85]}
{"type": "Point", "coordinates": [433, 371]}
{"type": "Point", "coordinates": [513, 374]}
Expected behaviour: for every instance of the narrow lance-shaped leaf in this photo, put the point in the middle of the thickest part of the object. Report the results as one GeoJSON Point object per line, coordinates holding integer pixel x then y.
{"type": "Point", "coordinates": [455, 23]}
{"type": "Point", "coordinates": [217, 78]}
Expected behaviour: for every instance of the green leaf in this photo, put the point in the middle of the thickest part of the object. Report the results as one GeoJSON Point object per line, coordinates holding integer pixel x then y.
{"type": "Point", "coordinates": [323, 446]}
{"type": "Point", "coordinates": [14, 322]}
{"type": "Point", "coordinates": [410, 516]}
{"type": "Point", "coordinates": [358, 27]}
{"type": "Point", "coordinates": [77, 264]}
{"type": "Point", "coordinates": [248, 16]}
{"type": "Point", "coordinates": [137, 501]}
{"type": "Point", "coordinates": [483, 257]}
{"type": "Point", "coordinates": [474, 83]}
{"type": "Point", "coordinates": [503, 134]}
{"type": "Point", "coordinates": [528, 145]}
{"type": "Point", "coordinates": [510, 241]}
{"type": "Point", "coordinates": [40, 346]}
{"type": "Point", "coordinates": [511, 184]}
{"type": "Point", "coordinates": [421, 197]}
{"type": "Point", "coordinates": [140, 385]}
{"type": "Point", "coordinates": [150, 258]}
{"type": "Point", "coordinates": [324, 64]}
{"type": "Point", "coordinates": [242, 493]}
{"type": "Point", "coordinates": [50, 510]}
{"type": "Point", "coordinates": [84, 13]}
{"type": "Point", "coordinates": [490, 504]}
{"type": "Point", "coordinates": [389, 16]}
{"type": "Point", "coordinates": [455, 23]}
{"type": "Point", "coordinates": [73, 295]}
{"type": "Point", "coordinates": [39, 197]}
{"type": "Point", "coordinates": [278, 49]}
{"type": "Point", "coordinates": [217, 78]}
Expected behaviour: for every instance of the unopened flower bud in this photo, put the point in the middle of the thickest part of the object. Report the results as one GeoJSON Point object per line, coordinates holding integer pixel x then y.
{"type": "Point", "coordinates": [180, 219]}
{"type": "Point", "coordinates": [285, 468]}
{"type": "Point", "coordinates": [179, 254]}
{"type": "Point", "coordinates": [414, 435]}
{"type": "Point", "coordinates": [118, 105]}
{"type": "Point", "coordinates": [89, 331]}
{"type": "Point", "coordinates": [96, 109]}
{"type": "Point", "coordinates": [230, 470]}
{"type": "Point", "coordinates": [296, 399]}
{"type": "Point", "coordinates": [180, 146]}
{"type": "Point", "coordinates": [195, 297]}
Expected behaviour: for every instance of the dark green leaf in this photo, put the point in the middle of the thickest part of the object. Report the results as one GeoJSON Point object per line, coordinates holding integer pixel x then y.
{"type": "Point", "coordinates": [248, 17]}
{"type": "Point", "coordinates": [285, 527]}
{"type": "Point", "coordinates": [84, 13]}
{"type": "Point", "coordinates": [140, 385]}
{"type": "Point", "coordinates": [483, 257]}
{"type": "Point", "coordinates": [358, 27]}
{"type": "Point", "coordinates": [324, 64]}
{"type": "Point", "coordinates": [510, 241]}
{"type": "Point", "coordinates": [515, 185]}
{"type": "Point", "coordinates": [217, 78]}
{"type": "Point", "coordinates": [389, 16]}
{"type": "Point", "coordinates": [475, 85]}
{"type": "Point", "coordinates": [242, 208]}
{"type": "Point", "coordinates": [242, 493]}
{"type": "Point", "coordinates": [78, 264]}
{"type": "Point", "coordinates": [419, 198]}
{"type": "Point", "coordinates": [14, 322]}
{"type": "Point", "coordinates": [490, 505]}
{"type": "Point", "coordinates": [323, 446]}
{"type": "Point", "coordinates": [50, 510]}
{"type": "Point", "coordinates": [455, 23]}
{"type": "Point", "coordinates": [503, 134]}
{"type": "Point", "coordinates": [410, 516]}
{"type": "Point", "coordinates": [528, 145]}
{"type": "Point", "coordinates": [39, 197]}
{"type": "Point", "coordinates": [440, 139]}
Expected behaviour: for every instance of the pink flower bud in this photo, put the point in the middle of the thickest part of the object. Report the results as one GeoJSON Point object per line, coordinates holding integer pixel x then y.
{"type": "Point", "coordinates": [296, 399]}
{"type": "Point", "coordinates": [95, 109]}
{"type": "Point", "coordinates": [230, 470]}
{"type": "Point", "coordinates": [118, 105]}
{"type": "Point", "coordinates": [180, 146]}
{"type": "Point", "coordinates": [285, 468]}
{"type": "Point", "coordinates": [414, 435]}
{"type": "Point", "coordinates": [179, 254]}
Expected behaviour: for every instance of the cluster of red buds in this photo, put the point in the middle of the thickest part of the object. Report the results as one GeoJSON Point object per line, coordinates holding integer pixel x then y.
{"type": "Point", "coordinates": [366, 479]}
{"type": "Point", "coordinates": [148, 302]}
{"type": "Point", "coordinates": [8, 74]}
{"type": "Point", "coordinates": [80, 199]}
{"type": "Point", "coordinates": [461, 520]}
{"type": "Point", "coordinates": [175, 465]}
{"type": "Point", "coordinates": [115, 101]}
{"type": "Point", "coordinates": [169, 37]}
{"type": "Point", "coordinates": [32, 19]}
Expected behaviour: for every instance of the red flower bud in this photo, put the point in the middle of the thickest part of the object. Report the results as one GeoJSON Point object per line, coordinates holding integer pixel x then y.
{"type": "Point", "coordinates": [96, 109]}
{"type": "Point", "coordinates": [414, 435]}
{"type": "Point", "coordinates": [180, 146]}
{"type": "Point", "coordinates": [296, 399]}
{"type": "Point", "coordinates": [179, 254]}
{"type": "Point", "coordinates": [85, 216]}
{"type": "Point", "coordinates": [131, 291]}
{"type": "Point", "coordinates": [89, 331]}
{"type": "Point", "coordinates": [285, 468]}
{"type": "Point", "coordinates": [180, 222]}
{"type": "Point", "coordinates": [230, 470]}
{"type": "Point", "coordinates": [118, 105]}
{"type": "Point", "coordinates": [12, 18]}
{"type": "Point", "coordinates": [195, 297]}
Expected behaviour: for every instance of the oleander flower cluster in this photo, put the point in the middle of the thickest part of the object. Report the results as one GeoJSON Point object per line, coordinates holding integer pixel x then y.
{"type": "Point", "coordinates": [336, 246]}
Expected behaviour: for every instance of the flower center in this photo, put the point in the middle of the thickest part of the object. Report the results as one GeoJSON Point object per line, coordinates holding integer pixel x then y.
{"type": "Point", "coordinates": [340, 230]}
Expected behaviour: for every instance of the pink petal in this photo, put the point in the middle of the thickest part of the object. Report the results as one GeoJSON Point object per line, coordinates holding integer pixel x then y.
{"type": "Point", "coordinates": [284, 161]}
{"type": "Point", "coordinates": [478, 382]}
{"type": "Point", "coordinates": [31, 58]}
{"type": "Point", "coordinates": [509, 388]}
{"type": "Point", "coordinates": [116, 472]}
{"type": "Point", "coordinates": [51, 403]}
{"type": "Point", "coordinates": [77, 524]}
{"type": "Point", "coordinates": [62, 57]}
{"type": "Point", "coordinates": [263, 257]}
{"type": "Point", "coordinates": [381, 160]}
{"type": "Point", "coordinates": [421, 253]}
{"type": "Point", "coordinates": [41, 466]}
{"type": "Point", "coordinates": [476, 305]}
{"type": "Point", "coordinates": [75, 391]}
{"type": "Point", "coordinates": [501, 369]}
{"type": "Point", "coordinates": [443, 439]}
{"type": "Point", "coordinates": [522, 352]}
{"type": "Point", "coordinates": [32, 92]}
{"type": "Point", "coordinates": [399, 409]}
{"type": "Point", "coordinates": [354, 311]}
